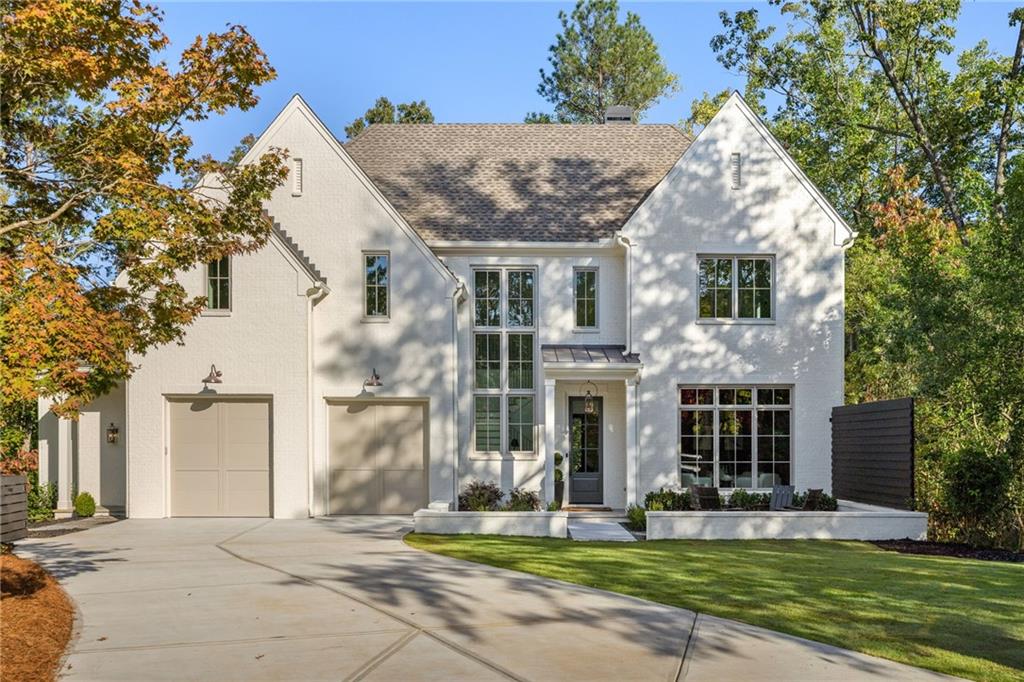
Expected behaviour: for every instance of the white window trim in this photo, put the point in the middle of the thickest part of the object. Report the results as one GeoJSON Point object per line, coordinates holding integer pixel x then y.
{"type": "Point", "coordinates": [597, 300]}
{"type": "Point", "coordinates": [376, 319]}
{"type": "Point", "coordinates": [735, 290]}
{"type": "Point", "coordinates": [219, 312]}
{"type": "Point", "coordinates": [503, 392]}
{"type": "Point", "coordinates": [714, 408]}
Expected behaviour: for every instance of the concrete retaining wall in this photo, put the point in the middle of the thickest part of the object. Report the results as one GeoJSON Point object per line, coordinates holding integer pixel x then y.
{"type": "Point", "coordinates": [534, 524]}
{"type": "Point", "coordinates": [853, 521]}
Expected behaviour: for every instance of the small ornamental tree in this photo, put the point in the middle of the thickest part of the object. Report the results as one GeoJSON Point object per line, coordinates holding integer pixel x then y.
{"type": "Point", "coordinates": [99, 182]}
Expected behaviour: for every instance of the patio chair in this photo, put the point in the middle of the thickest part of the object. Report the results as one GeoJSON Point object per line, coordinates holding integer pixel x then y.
{"type": "Point", "coordinates": [705, 498]}
{"type": "Point", "coordinates": [782, 497]}
{"type": "Point", "coordinates": [811, 501]}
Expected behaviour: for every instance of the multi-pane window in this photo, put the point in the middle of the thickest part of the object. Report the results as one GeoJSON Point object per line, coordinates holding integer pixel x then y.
{"type": "Point", "coordinates": [585, 297]}
{"type": "Point", "coordinates": [376, 284]}
{"type": "Point", "coordinates": [520, 423]}
{"type": "Point", "coordinates": [503, 346]}
{"type": "Point", "coordinates": [487, 415]}
{"type": "Point", "coordinates": [487, 298]}
{"type": "Point", "coordinates": [218, 284]}
{"type": "Point", "coordinates": [735, 288]}
{"type": "Point", "coordinates": [735, 436]}
{"type": "Point", "coordinates": [487, 356]}
{"type": "Point", "coordinates": [520, 298]}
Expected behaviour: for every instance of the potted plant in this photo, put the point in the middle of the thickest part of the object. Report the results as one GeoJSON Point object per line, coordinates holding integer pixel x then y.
{"type": "Point", "coordinates": [559, 480]}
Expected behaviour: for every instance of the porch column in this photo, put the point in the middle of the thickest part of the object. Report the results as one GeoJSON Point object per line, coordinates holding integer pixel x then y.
{"type": "Point", "coordinates": [632, 405]}
{"type": "Point", "coordinates": [64, 468]}
{"type": "Point", "coordinates": [549, 441]}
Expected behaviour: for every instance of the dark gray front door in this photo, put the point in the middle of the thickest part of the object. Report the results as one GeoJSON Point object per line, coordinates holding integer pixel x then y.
{"type": "Point", "coordinates": [585, 478]}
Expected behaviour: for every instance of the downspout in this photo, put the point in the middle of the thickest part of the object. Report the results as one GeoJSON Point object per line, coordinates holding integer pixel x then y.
{"type": "Point", "coordinates": [313, 296]}
{"type": "Point", "coordinates": [458, 296]}
{"type": "Point", "coordinates": [628, 246]}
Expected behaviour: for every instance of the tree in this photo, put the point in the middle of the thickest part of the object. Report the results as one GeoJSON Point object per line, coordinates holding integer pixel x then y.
{"type": "Point", "coordinates": [538, 117]}
{"type": "Point", "coordinates": [596, 62]}
{"type": "Point", "coordinates": [98, 181]}
{"type": "Point", "coordinates": [383, 111]}
{"type": "Point", "coordinates": [702, 110]}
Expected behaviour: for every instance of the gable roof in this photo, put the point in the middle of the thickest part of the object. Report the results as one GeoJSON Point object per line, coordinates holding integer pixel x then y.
{"type": "Point", "coordinates": [516, 182]}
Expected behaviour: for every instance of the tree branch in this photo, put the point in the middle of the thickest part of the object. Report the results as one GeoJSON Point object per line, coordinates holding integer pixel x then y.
{"type": "Point", "coordinates": [999, 184]}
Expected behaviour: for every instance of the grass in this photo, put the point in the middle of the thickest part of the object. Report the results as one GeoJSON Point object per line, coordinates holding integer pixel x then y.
{"type": "Point", "coordinates": [956, 616]}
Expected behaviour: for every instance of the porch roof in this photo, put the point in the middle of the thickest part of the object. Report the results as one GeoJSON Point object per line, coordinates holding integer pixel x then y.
{"type": "Point", "coordinates": [572, 354]}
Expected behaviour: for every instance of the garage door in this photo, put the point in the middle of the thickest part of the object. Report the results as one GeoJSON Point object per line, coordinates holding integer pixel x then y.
{"type": "Point", "coordinates": [377, 458]}
{"type": "Point", "coordinates": [220, 457]}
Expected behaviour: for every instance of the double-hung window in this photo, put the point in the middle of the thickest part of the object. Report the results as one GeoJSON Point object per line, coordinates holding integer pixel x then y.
{"type": "Point", "coordinates": [218, 284]}
{"type": "Point", "coordinates": [585, 297]}
{"type": "Point", "coordinates": [735, 436]}
{"type": "Point", "coordinates": [376, 285]}
{"type": "Point", "coordinates": [735, 288]}
{"type": "Point", "coordinates": [504, 393]}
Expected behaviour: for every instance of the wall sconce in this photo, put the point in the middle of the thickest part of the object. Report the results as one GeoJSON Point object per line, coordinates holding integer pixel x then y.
{"type": "Point", "coordinates": [374, 380]}
{"type": "Point", "coordinates": [112, 433]}
{"type": "Point", "coordinates": [589, 404]}
{"type": "Point", "coordinates": [213, 377]}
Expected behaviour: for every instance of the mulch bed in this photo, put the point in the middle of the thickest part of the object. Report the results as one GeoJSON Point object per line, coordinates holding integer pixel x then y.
{"type": "Point", "coordinates": [951, 550]}
{"type": "Point", "coordinates": [36, 618]}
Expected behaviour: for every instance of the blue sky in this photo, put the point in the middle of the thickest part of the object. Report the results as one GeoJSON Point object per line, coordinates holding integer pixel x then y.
{"type": "Point", "coordinates": [472, 62]}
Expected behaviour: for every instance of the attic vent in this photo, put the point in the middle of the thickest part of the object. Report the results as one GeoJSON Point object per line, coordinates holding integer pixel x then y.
{"type": "Point", "coordinates": [618, 114]}
{"type": "Point", "coordinates": [734, 167]}
{"type": "Point", "coordinates": [296, 177]}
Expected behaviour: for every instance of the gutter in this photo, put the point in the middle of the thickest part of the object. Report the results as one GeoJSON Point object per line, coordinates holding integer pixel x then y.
{"type": "Point", "coordinates": [458, 296]}
{"type": "Point", "coordinates": [314, 295]}
{"type": "Point", "coordinates": [628, 246]}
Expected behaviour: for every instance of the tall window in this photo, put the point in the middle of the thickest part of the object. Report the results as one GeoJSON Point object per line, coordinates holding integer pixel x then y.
{"type": "Point", "coordinates": [735, 288]}
{"type": "Point", "coordinates": [585, 297]}
{"type": "Point", "coordinates": [503, 346]}
{"type": "Point", "coordinates": [735, 436]}
{"type": "Point", "coordinates": [376, 284]}
{"type": "Point", "coordinates": [218, 284]}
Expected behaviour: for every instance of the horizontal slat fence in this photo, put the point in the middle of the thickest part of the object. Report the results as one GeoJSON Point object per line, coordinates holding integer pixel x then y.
{"type": "Point", "coordinates": [13, 508]}
{"type": "Point", "coordinates": [873, 453]}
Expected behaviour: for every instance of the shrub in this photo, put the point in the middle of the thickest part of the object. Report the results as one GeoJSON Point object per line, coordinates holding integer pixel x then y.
{"type": "Point", "coordinates": [522, 500]}
{"type": "Point", "coordinates": [85, 505]}
{"type": "Point", "coordinates": [42, 499]}
{"type": "Point", "coordinates": [974, 491]}
{"type": "Point", "coordinates": [480, 496]}
{"type": "Point", "coordinates": [668, 499]}
{"type": "Point", "coordinates": [559, 476]}
{"type": "Point", "coordinates": [825, 503]}
{"type": "Point", "coordinates": [742, 499]}
{"type": "Point", "coordinates": [637, 517]}
{"type": "Point", "coordinates": [554, 506]}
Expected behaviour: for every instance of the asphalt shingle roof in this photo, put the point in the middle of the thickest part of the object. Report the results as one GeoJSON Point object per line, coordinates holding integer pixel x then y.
{"type": "Point", "coordinates": [516, 182]}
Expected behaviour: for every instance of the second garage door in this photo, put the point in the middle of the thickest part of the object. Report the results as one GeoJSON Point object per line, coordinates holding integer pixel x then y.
{"type": "Point", "coordinates": [220, 457]}
{"type": "Point", "coordinates": [377, 458]}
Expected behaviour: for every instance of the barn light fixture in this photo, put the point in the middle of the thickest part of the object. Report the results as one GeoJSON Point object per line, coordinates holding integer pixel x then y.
{"type": "Point", "coordinates": [214, 376]}
{"type": "Point", "coordinates": [589, 404]}
{"type": "Point", "coordinates": [374, 380]}
{"type": "Point", "coordinates": [112, 433]}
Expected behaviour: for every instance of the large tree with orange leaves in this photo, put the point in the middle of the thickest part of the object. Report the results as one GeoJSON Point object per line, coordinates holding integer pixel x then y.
{"type": "Point", "coordinates": [103, 199]}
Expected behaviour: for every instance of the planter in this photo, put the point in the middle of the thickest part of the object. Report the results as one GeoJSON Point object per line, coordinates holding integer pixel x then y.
{"type": "Point", "coordinates": [852, 521]}
{"type": "Point", "coordinates": [559, 492]}
{"type": "Point", "coordinates": [531, 524]}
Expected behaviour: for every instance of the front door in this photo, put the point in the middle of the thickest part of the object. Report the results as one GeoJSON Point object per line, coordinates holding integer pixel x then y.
{"type": "Point", "coordinates": [585, 479]}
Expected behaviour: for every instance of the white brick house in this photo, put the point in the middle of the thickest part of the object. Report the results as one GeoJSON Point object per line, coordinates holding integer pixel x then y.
{"type": "Point", "coordinates": [491, 276]}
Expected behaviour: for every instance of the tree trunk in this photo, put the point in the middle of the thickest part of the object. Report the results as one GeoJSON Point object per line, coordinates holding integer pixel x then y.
{"type": "Point", "coordinates": [1007, 122]}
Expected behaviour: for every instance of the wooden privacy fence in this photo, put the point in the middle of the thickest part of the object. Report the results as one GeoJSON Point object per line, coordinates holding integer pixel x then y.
{"type": "Point", "coordinates": [13, 508]}
{"type": "Point", "coordinates": [873, 453]}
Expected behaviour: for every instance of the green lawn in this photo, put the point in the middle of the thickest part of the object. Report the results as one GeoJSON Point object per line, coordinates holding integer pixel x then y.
{"type": "Point", "coordinates": [956, 616]}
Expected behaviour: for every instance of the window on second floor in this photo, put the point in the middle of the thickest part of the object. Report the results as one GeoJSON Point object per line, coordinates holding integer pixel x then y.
{"type": "Point", "coordinates": [585, 297]}
{"type": "Point", "coordinates": [218, 284]}
{"type": "Point", "coordinates": [376, 285]}
{"type": "Point", "coordinates": [735, 288]}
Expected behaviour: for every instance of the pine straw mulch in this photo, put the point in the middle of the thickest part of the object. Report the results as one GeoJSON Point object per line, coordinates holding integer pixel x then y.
{"type": "Point", "coordinates": [36, 618]}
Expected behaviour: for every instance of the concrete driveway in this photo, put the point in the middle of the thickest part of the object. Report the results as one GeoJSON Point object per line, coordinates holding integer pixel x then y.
{"type": "Point", "coordinates": [346, 599]}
